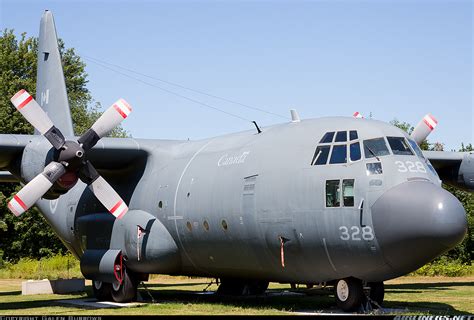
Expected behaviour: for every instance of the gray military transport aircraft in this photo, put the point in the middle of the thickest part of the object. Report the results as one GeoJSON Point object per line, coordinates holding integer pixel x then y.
{"type": "Point", "coordinates": [342, 201]}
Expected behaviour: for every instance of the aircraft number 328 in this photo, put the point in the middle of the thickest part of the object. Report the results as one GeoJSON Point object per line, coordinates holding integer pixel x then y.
{"type": "Point", "coordinates": [410, 166]}
{"type": "Point", "coordinates": [356, 233]}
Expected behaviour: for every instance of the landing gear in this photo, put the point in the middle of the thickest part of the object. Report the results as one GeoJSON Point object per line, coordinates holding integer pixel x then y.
{"type": "Point", "coordinates": [352, 295]}
{"type": "Point", "coordinates": [349, 294]}
{"type": "Point", "coordinates": [377, 292]}
{"type": "Point", "coordinates": [102, 291]}
{"type": "Point", "coordinates": [125, 291]}
{"type": "Point", "coordinates": [240, 287]}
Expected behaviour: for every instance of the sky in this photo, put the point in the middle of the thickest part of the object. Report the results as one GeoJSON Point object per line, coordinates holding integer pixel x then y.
{"type": "Point", "coordinates": [392, 59]}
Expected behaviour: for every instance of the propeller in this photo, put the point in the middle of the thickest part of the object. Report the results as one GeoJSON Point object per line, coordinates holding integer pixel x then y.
{"type": "Point", "coordinates": [358, 115]}
{"type": "Point", "coordinates": [424, 128]}
{"type": "Point", "coordinates": [71, 156]}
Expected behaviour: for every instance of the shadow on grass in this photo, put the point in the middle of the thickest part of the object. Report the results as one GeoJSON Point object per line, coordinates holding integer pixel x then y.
{"type": "Point", "coordinates": [425, 286]}
{"type": "Point", "coordinates": [187, 284]}
{"type": "Point", "coordinates": [10, 293]}
{"type": "Point", "coordinates": [274, 299]}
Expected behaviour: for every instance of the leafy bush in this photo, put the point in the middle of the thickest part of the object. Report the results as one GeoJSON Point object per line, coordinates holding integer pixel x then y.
{"type": "Point", "coordinates": [55, 267]}
{"type": "Point", "coordinates": [444, 267]}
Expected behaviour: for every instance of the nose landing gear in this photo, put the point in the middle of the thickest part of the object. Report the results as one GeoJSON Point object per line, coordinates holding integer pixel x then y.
{"type": "Point", "coordinates": [352, 295]}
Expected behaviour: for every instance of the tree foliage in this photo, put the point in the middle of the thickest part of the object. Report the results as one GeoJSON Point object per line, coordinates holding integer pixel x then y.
{"type": "Point", "coordinates": [30, 235]}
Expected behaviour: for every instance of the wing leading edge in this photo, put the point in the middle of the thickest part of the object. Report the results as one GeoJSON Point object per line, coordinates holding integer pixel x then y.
{"type": "Point", "coordinates": [454, 168]}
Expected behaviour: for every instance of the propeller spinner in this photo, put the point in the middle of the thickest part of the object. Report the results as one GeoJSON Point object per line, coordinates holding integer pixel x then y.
{"type": "Point", "coordinates": [71, 158]}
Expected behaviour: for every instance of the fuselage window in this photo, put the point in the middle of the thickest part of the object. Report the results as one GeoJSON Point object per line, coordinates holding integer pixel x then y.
{"type": "Point", "coordinates": [321, 155]}
{"type": "Point", "coordinates": [375, 148]}
{"type": "Point", "coordinates": [339, 154]}
{"type": "Point", "coordinates": [348, 192]}
{"type": "Point", "coordinates": [341, 136]}
{"type": "Point", "coordinates": [333, 193]}
{"type": "Point", "coordinates": [399, 146]}
{"type": "Point", "coordinates": [353, 135]}
{"type": "Point", "coordinates": [327, 138]}
{"type": "Point", "coordinates": [355, 151]}
{"type": "Point", "coordinates": [374, 168]}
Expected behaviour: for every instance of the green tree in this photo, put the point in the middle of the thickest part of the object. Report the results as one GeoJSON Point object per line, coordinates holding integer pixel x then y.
{"type": "Point", "coordinates": [30, 235]}
{"type": "Point", "coordinates": [464, 252]}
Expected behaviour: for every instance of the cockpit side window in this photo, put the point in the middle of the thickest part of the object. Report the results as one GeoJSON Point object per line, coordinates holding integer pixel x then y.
{"type": "Point", "coordinates": [375, 148]}
{"type": "Point", "coordinates": [399, 146]}
{"type": "Point", "coordinates": [327, 138]}
{"type": "Point", "coordinates": [417, 149]}
{"type": "Point", "coordinates": [355, 151]}
{"type": "Point", "coordinates": [321, 155]}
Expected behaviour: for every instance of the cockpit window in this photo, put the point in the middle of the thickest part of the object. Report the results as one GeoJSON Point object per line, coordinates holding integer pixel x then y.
{"type": "Point", "coordinates": [321, 155]}
{"type": "Point", "coordinates": [417, 149]}
{"type": "Point", "coordinates": [341, 136]}
{"type": "Point", "coordinates": [375, 148]}
{"type": "Point", "coordinates": [353, 135]}
{"type": "Point", "coordinates": [339, 154]}
{"type": "Point", "coordinates": [355, 151]}
{"type": "Point", "coordinates": [327, 138]}
{"type": "Point", "coordinates": [399, 146]}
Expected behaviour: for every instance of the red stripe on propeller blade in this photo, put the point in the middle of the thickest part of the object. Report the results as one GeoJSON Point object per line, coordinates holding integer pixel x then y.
{"type": "Point", "coordinates": [20, 202]}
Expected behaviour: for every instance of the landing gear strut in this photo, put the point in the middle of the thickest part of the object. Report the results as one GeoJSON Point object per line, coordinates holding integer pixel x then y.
{"type": "Point", "coordinates": [350, 295]}
{"type": "Point", "coordinates": [240, 287]}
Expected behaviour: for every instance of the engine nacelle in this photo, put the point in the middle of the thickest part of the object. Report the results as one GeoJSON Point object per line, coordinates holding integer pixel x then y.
{"type": "Point", "coordinates": [460, 175]}
{"type": "Point", "coordinates": [145, 243]}
{"type": "Point", "coordinates": [36, 155]}
{"type": "Point", "coordinates": [466, 172]}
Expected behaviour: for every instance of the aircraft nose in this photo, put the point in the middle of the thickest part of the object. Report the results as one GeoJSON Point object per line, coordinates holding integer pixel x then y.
{"type": "Point", "coordinates": [415, 222]}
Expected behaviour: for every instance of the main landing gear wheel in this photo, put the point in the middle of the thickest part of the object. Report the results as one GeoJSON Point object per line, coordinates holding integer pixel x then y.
{"type": "Point", "coordinates": [102, 291]}
{"type": "Point", "coordinates": [377, 292]}
{"type": "Point", "coordinates": [125, 291]}
{"type": "Point", "coordinates": [349, 294]}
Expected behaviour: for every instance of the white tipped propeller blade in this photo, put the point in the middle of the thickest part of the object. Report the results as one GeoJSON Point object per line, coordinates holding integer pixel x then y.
{"type": "Point", "coordinates": [112, 117]}
{"type": "Point", "coordinates": [424, 128]}
{"type": "Point", "coordinates": [108, 197]}
{"type": "Point", "coordinates": [358, 115]}
{"type": "Point", "coordinates": [36, 188]}
{"type": "Point", "coordinates": [31, 110]}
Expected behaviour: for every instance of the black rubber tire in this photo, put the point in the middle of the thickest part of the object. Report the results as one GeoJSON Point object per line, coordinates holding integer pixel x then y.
{"type": "Point", "coordinates": [127, 290]}
{"type": "Point", "coordinates": [377, 293]}
{"type": "Point", "coordinates": [102, 291]}
{"type": "Point", "coordinates": [352, 297]}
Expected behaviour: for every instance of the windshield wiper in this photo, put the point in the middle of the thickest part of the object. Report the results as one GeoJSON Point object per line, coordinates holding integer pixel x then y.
{"type": "Point", "coordinates": [373, 153]}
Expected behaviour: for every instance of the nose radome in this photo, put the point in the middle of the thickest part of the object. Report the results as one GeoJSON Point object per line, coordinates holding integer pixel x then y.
{"type": "Point", "coordinates": [415, 222]}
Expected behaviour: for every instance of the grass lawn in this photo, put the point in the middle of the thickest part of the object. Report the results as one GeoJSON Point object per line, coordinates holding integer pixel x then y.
{"type": "Point", "coordinates": [179, 295]}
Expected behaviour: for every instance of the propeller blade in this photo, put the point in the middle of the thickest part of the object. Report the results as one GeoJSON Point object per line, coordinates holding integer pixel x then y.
{"type": "Point", "coordinates": [36, 116]}
{"type": "Point", "coordinates": [36, 188]}
{"type": "Point", "coordinates": [103, 191]}
{"type": "Point", "coordinates": [424, 128]}
{"type": "Point", "coordinates": [111, 118]}
{"type": "Point", "coordinates": [358, 115]}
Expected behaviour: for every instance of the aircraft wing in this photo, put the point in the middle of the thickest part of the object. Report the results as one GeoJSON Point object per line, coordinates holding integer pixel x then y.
{"type": "Point", "coordinates": [109, 155]}
{"type": "Point", "coordinates": [454, 168]}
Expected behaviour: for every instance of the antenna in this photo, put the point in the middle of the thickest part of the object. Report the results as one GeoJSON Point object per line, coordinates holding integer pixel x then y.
{"type": "Point", "coordinates": [294, 116]}
{"type": "Point", "coordinates": [256, 126]}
